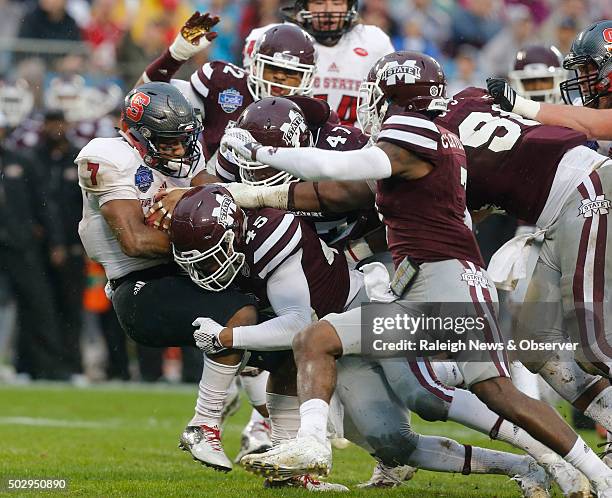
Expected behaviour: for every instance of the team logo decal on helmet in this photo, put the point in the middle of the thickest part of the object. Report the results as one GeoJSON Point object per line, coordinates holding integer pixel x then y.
{"type": "Point", "coordinates": [293, 129]}
{"type": "Point", "coordinates": [407, 71]}
{"type": "Point", "coordinates": [224, 212]}
{"type": "Point", "coordinates": [137, 104]}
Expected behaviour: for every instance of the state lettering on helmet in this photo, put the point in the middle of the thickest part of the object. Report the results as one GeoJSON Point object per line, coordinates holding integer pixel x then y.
{"type": "Point", "coordinates": [293, 130]}
{"type": "Point", "coordinates": [395, 72]}
{"type": "Point", "coordinates": [224, 212]}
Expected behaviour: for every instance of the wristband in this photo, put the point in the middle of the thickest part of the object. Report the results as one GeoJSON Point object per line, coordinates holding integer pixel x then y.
{"type": "Point", "coordinates": [275, 197]}
{"type": "Point", "coordinates": [525, 107]}
{"type": "Point", "coordinates": [162, 68]}
{"type": "Point", "coordinates": [357, 250]}
{"type": "Point", "coordinates": [182, 50]}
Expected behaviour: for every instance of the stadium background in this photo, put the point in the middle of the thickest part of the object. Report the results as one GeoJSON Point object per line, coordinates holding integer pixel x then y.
{"type": "Point", "coordinates": [78, 57]}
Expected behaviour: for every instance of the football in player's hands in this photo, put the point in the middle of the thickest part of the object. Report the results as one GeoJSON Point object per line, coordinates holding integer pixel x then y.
{"type": "Point", "coordinates": [198, 26]}
{"type": "Point", "coordinates": [502, 93]}
{"type": "Point", "coordinates": [240, 142]}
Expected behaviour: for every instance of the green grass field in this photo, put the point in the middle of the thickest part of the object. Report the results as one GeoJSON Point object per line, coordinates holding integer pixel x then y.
{"type": "Point", "coordinates": [122, 442]}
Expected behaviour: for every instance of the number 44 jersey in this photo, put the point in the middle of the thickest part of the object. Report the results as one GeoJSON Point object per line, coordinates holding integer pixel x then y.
{"type": "Point", "coordinates": [512, 162]}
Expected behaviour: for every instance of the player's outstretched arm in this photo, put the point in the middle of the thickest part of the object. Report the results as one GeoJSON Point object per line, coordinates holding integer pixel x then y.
{"type": "Point", "coordinates": [124, 217]}
{"type": "Point", "coordinates": [195, 35]}
{"type": "Point", "coordinates": [594, 123]}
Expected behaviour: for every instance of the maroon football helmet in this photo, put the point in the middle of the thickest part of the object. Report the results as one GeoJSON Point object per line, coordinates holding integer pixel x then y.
{"type": "Point", "coordinates": [285, 46]}
{"type": "Point", "coordinates": [537, 73]}
{"type": "Point", "coordinates": [277, 122]}
{"type": "Point", "coordinates": [409, 81]}
{"type": "Point", "coordinates": [207, 228]}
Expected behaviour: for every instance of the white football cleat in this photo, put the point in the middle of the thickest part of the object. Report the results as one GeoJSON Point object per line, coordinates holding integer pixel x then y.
{"type": "Point", "coordinates": [306, 482]}
{"type": "Point", "coordinates": [297, 457]}
{"type": "Point", "coordinates": [602, 487]}
{"type": "Point", "coordinates": [571, 481]}
{"type": "Point", "coordinates": [389, 477]}
{"type": "Point", "coordinates": [255, 439]}
{"type": "Point", "coordinates": [534, 483]}
{"type": "Point", "coordinates": [204, 443]}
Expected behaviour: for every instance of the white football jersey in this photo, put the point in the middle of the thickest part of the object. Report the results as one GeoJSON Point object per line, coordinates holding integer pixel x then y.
{"type": "Point", "coordinates": [110, 169]}
{"type": "Point", "coordinates": [341, 68]}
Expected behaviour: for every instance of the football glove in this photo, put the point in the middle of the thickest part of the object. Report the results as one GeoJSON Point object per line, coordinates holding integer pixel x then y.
{"type": "Point", "coordinates": [240, 142]}
{"type": "Point", "coordinates": [502, 93]}
{"type": "Point", "coordinates": [206, 335]}
{"type": "Point", "coordinates": [195, 35]}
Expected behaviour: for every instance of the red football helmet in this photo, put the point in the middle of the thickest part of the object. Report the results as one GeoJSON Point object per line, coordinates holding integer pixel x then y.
{"type": "Point", "coordinates": [537, 73]}
{"type": "Point", "coordinates": [277, 122]}
{"type": "Point", "coordinates": [285, 46]}
{"type": "Point", "coordinates": [207, 228]}
{"type": "Point", "coordinates": [410, 81]}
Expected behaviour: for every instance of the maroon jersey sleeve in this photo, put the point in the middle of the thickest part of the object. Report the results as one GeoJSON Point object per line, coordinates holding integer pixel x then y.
{"type": "Point", "coordinates": [332, 136]}
{"type": "Point", "coordinates": [272, 236]}
{"type": "Point", "coordinates": [412, 132]}
{"type": "Point", "coordinates": [226, 168]}
{"type": "Point", "coordinates": [511, 161]}
{"type": "Point", "coordinates": [224, 91]}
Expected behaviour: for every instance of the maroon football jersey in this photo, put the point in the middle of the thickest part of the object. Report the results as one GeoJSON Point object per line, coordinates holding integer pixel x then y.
{"type": "Point", "coordinates": [272, 236]}
{"type": "Point", "coordinates": [425, 217]}
{"type": "Point", "coordinates": [224, 90]}
{"type": "Point", "coordinates": [512, 161]}
{"type": "Point", "coordinates": [332, 228]}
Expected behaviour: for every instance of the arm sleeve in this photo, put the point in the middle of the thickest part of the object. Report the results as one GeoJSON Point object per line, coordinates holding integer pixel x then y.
{"type": "Point", "coordinates": [289, 295]}
{"type": "Point", "coordinates": [309, 163]}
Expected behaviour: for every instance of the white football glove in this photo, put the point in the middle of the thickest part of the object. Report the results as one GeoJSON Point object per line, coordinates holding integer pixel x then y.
{"type": "Point", "coordinates": [207, 335]}
{"type": "Point", "coordinates": [240, 142]}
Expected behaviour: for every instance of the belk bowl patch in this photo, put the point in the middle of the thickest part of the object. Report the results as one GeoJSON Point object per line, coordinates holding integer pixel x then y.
{"type": "Point", "coordinates": [230, 100]}
{"type": "Point", "coordinates": [143, 178]}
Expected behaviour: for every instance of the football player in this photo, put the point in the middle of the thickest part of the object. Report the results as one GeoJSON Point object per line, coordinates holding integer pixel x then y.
{"type": "Point", "coordinates": [569, 178]}
{"type": "Point", "coordinates": [281, 259]}
{"type": "Point", "coordinates": [154, 301]}
{"type": "Point", "coordinates": [346, 50]}
{"type": "Point", "coordinates": [590, 58]}
{"type": "Point", "coordinates": [410, 148]}
{"type": "Point", "coordinates": [283, 64]}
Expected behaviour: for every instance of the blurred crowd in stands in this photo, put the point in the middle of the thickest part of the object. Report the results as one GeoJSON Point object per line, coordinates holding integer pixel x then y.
{"type": "Point", "coordinates": [64, 66]}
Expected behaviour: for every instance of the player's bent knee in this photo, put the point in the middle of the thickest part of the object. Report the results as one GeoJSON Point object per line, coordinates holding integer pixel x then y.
{"type": "Point", "coordinates": [318, 338]}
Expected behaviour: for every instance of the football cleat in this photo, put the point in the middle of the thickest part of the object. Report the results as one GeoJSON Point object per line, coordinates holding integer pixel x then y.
{"type": "Point", "coordinates": [389, 477]}
{"type": "Point", "coordinates": [606, 454]}
{"type": "Point", "coordinates": [204, 444]}
{"type": "Point", "coordinates": [255, 439]}
{"type": "Point", "coordinates": [534, 483]}
{"type": "Point", "coordinates": [571, 481]}
{"type": "Point", "coordinates": [300, 456]}
{"type": "Point", "coordinates": [602, 487]}
{"type": "Point", "coordinates": [306, 482]}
